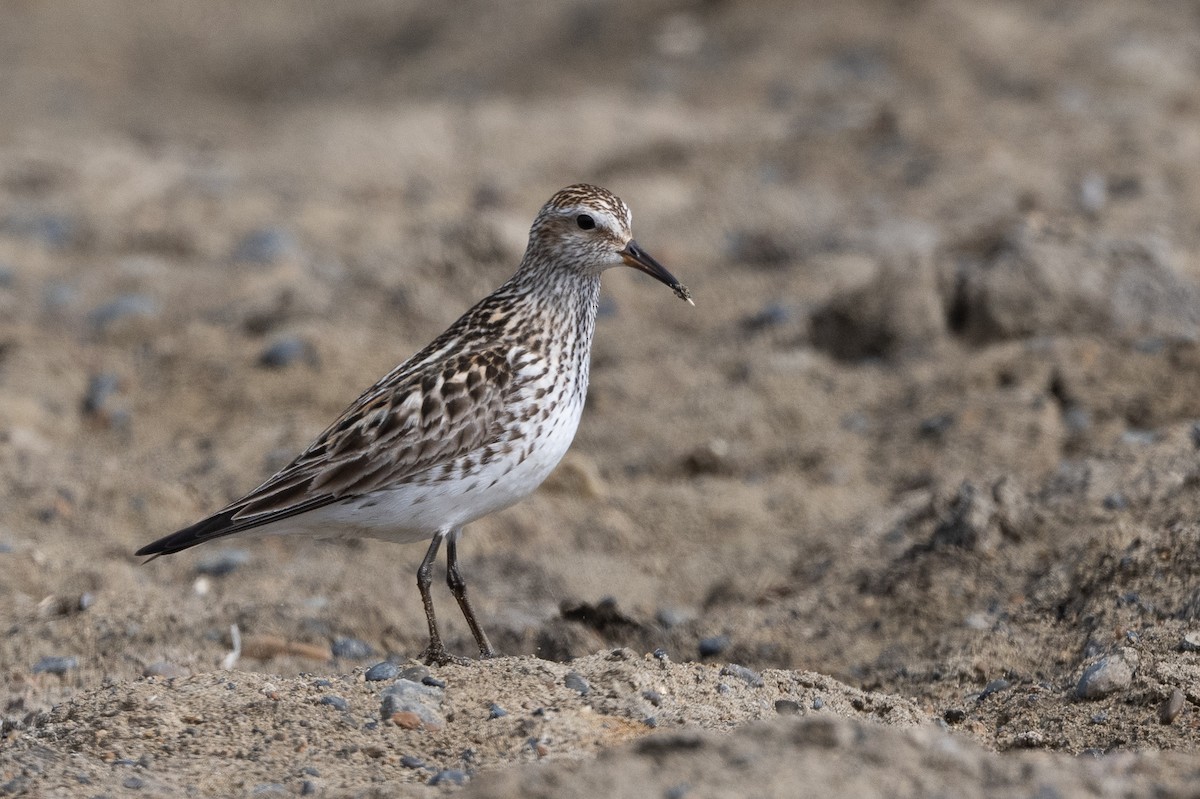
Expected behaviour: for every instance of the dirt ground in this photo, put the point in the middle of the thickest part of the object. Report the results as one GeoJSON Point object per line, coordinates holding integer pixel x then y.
{"type": "Point", "coordinates": [907, 505]}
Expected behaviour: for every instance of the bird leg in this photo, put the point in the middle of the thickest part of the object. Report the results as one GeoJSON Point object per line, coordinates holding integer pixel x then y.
{"type": "Point", "coordinates": [436, 651]}
{"type": "Point", "coordinates": [458, 587]}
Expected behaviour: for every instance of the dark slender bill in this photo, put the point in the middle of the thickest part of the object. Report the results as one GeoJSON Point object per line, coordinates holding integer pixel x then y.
{"type": "Point", "coordinates": [641, 260]}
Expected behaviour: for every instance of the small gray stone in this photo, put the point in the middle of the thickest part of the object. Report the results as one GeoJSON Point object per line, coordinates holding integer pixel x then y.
{"type": "Point", "coordinates": [126, 306]}
{"type": "Point", "coordinates": [818, 703]}
{"type": "Point", "coordinates": [351, 649]}
{"type": "Point", "coordinates": [787, 707]}
{"type": "Point", "coordinates": [265, 246]}
{"type": "Point", "coordinates": [164, 669]}
{"type": "Point", "coordinates": [385, 670]}
{"type": "Point", "coordinates": [713, 645]}
{"type": "Point", "coordinates": [429, 679]}
{"type": "Point", "coordinates": [406, 696]}
{"type": "Point", "coordinates": [993, 687]}
{"type": "Point", "coordinates": [55, 665]}
{"type": "Point", "coordinates": [1190, 642]}
{"type": "Point", "coordinates": [1171, 707]}
{"type": "Point", "coordinates": [495, 711]}
{"type": "Point", "coordinates": [748, 676]}
{"type": "Point", "coordinates": [101, 388]}
{"type": "Point", "coordinates": [575, 681]}
{"type": "Point", "coordinates": [222, 562]}
{"type": "Point", "coordinates": [133, 783]}
{"type": "Point", "coordinates": [449, 776]}
{"type": "Point", "coordinates": [335, 702]}
{"type": "Point", "coordinates": [1107, 675]}
{"type": "Point", "coordinates": [287, 351]}
{"type": "Point", "coordinates": [408, 761]}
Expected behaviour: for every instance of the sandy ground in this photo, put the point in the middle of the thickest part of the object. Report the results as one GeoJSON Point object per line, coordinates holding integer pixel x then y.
{"type": "Point", "coordinates": [906, 506]}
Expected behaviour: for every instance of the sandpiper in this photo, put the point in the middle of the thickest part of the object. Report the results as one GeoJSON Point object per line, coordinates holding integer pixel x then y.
{"type": "Point", "coordinates": [469, 425]}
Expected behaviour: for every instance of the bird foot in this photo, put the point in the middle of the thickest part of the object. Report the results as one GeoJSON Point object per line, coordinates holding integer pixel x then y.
{"type": "Point", "coordinates": [438, 656]}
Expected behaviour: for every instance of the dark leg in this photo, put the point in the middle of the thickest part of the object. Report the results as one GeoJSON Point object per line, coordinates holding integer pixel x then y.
{"type": "Point", "coordinates": [458, 587]}
{"type": "Point", "coordinates": [435, 652]}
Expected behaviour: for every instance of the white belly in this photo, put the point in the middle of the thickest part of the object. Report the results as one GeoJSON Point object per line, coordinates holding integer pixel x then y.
{"type": "Point", "coordinates": [419, 509]}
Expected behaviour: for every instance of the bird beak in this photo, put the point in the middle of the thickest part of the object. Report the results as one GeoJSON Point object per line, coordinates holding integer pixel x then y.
{"type": "Point", "coordinates": [639, 259]}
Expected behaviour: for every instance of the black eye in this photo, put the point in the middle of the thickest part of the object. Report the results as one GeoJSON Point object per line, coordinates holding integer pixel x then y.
{"type": "Point", "coordinates": [585, 222]}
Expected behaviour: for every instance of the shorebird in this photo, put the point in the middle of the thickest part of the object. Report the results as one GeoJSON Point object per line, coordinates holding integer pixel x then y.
{"type": "Point", "coordinates": [469, 425]}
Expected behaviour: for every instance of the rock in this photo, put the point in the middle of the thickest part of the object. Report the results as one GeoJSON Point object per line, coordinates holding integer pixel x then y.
{"type": "Point", "coordinates": [449, 776]}
{"type": "Point", "coordinates": [713, 645]}
{"type": "Point", "coordinates": [333, 701]}
{"type": "Point", "coordinates": [265, 246]}
{"type": "Point", "coordinates": [410, 704]}
{"type": "Point", "coordinates": [712, 457]}
{"type": "Point", "coordinates": [993, 687]}
{"type": "Point", "coordinates": [351, 649]}
{"type": "Point", "coordinates": [1190, 642]}
{"type": "Point", "coordinates": [288, 351]}
{"type": "Point", "coordinates": [748, 676]}
{"type": "Point", "coordinates": [101, 388]}
{"type": "Point", "coordinates": [1171, 707]}
{"type": "Point", "coordinates": [105, 317]}
{"type": "Point", "coordinates": [222, 562]}
{"type": "Point", "coordinates": [1108, 675]}
{"type": "Point", "coordinates": [575, 681]}
{"type": "Point", "coordinates": [770, 315]}
{"type": "Point", "coordinates": [496, 712]}
{"type": "Point", "coordinates": [787, 707]}
{"type": "Point", "coordinates": [385, 670]}
{"type": "Point", "coordinates": [56, 665]}
{"type": "Point", "coordinates": [164, 669]}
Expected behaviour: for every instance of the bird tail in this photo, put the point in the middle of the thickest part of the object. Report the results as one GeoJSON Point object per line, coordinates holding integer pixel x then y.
{"type": "Point", "coordinates": [215, 526]}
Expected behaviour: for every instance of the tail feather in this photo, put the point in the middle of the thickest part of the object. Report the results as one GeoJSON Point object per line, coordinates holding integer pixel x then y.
{"type": "Point", "coordinates": [223, 523]}
{"type": "Point", "coordinates": [214, 526]}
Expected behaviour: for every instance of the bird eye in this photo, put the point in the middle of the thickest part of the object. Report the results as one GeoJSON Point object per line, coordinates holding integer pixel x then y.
{"type": "Point", "coordinates": [585, 222]}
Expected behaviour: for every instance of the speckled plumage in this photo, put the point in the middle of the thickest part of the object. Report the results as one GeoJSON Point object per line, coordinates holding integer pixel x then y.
{"type": "Point", "coordinates": [472, 423]}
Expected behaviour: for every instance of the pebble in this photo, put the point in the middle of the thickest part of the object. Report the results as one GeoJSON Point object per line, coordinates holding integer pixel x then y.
{"type": "Point", "coordinates": [771, 315]}
{"type": "Point", "coordinates": [713, 645]}
{"type": "Point", "coordinates": [56, 664]}
{"type": "Point", "coordinates": [163, 668]}
{"type": "Point", "coordinates": [334, 701]}
{"type": "Point", "coordinates": [411, 704]}
{"type": "Point", "coordinates": [1190, 642]}
{"type": "Point", "coordinates": [936, 426]}
{"type": "Point", "coordinates": [409, 761]}
{"type": "Point", "coordinates": [1106, 676]}
{"type": "Point", "coordinates": [133, 783]}
{"type": "Point", "coordinates": [308, 788]}
{"type": "Point", "coordinates": [818, 703]}
{"type": "Point", "coordinates": [787, 707]}
{"type": "Point", "coordinates": [55, 231]}
{"type": "Point", "coordinates": [1116, 501]}
{"type": "Point", "coordinates": [385, 670]}
{"type": "Point", "coordinates": [101, 388]}
{"type": "Point", "coordinates": [495, 711]}
{"type": "Point", "coordinates": [954, 715]}
{"type": "Point", "coordinates": [748, 676]}
{"type": "Point", "coordinates": [434, 681]}
{"type": "Point", "coordinates": [673, 617]}
{"type": "Point", "coordinates": [450, 776]}
{"type": "Point", "coordinates": [677, 791]}
{"type": "Point", "coordinates": [1171, 707]}
{"type": "Point", "coordinates": [140, 306]}
{"type": "Point", "coordinates": [994, 687]}
{"type": "Point", "coordinates": [1195, 434]}
{"type": "Point", "coordinates": [222, 562]}
{"type": "Point", "coordinates": [575, 681]}
{"type": "Point", "coordinates": [351, 649]}
{"type": "Point", "coordinates": [653, 697]}
{"type": "Point", "coordinates": [288, 351]}
{"type": "Point", "coordinates": [264, 246]}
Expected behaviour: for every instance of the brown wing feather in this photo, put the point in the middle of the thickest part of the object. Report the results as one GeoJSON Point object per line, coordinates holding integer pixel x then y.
{"type": "Point", "coordinates": [406, 425]}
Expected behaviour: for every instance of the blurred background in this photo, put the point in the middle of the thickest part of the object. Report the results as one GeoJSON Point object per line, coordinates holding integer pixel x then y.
{"type": "Point", "coordinates": [930, 425]}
